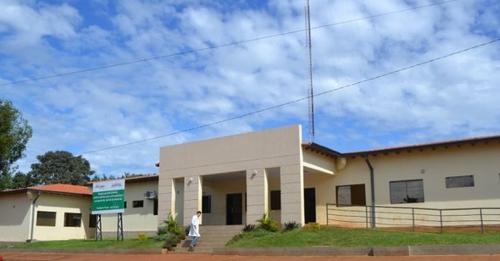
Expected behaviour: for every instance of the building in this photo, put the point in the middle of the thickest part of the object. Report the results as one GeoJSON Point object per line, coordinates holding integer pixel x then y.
{"type": "Point", "coordinates": [50, 212]}
{"type": "Point", "coordinates": [141, 209]}
{"type": "Point", "coordinates": [236, 179]}
{"type": "Point", "coordinates": [62, 211]}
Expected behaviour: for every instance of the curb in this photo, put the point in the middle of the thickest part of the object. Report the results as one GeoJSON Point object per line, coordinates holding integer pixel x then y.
{"type": "Point", "coordinates": [454, 250]}
{"type": "Point", "coordinates": [364, 251]}
{"type": "Point", "coordinates": [83, 251]}
{"type": "Point", "coordinates": [428, 250]}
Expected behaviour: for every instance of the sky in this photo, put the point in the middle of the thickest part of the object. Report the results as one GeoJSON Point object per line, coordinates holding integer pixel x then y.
{"type": "Point", "coordinates": [452, 98]}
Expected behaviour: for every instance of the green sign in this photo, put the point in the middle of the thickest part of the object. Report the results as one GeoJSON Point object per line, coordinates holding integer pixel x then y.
{"type": "Point", "coordinates": [108, 197]}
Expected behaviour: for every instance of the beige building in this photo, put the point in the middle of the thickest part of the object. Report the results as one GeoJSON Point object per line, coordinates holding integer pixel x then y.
{"type": "Point", "coordinates": [236, 179]}
{"type": "Point", "coordinates": [61, 211]}
{"type": "Point", "coordinates": [50, 212]}
{"type": "Point", "coordinates": [141, 209]}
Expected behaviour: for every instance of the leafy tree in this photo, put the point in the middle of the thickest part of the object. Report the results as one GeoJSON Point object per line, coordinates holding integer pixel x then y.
{"type": "Point", "coordinates": [21, 180]}
{"type": "Point", "coordinates": [60, 167]}
{"type": "Point", "coordinates": [14, 135]}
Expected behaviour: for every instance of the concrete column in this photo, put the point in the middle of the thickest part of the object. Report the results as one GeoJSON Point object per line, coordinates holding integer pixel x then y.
{"type": "Point", "coordinates": [292, 193]}
{"type": "Point", "coordinates": [257, 195]}
{"type": "Point", "coordinates": [192, 197]}
{"type": "Point", "coordinates": [166, 198]}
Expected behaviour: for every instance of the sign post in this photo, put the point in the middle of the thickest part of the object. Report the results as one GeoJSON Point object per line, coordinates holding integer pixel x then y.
{"type": "Point", "coordinates": [108, 198]}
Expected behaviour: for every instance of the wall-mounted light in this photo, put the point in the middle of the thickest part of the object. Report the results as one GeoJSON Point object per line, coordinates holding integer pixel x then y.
{"type": "Point", "coordinates": [254, 173]}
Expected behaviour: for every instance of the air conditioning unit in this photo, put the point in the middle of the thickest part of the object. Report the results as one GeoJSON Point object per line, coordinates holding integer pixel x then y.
{"type": "Point", "coordinates": [150, 195]}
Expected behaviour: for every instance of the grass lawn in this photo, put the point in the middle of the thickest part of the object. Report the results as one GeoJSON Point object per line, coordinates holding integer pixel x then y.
{"type": "Point", "coordinates": [132, 244]}
{"type": "Point", "coordinates": [348, 237]}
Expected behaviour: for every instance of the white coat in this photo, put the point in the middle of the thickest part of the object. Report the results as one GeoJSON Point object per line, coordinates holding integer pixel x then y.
{"type": "Point", "coordinates": [194, 229]}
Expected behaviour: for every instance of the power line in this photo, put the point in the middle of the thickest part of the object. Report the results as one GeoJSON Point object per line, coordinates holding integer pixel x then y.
{"type": "Point", "coordinates": [234, 43]}
{"type": "Point", "coordinates": [401, 69]}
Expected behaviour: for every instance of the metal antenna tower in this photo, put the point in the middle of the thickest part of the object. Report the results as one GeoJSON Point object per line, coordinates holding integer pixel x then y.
{"type": "Point", "coordinates": [310, 92]}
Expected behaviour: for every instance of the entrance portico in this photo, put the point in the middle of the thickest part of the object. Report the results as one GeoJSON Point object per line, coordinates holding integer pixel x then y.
{"type": "Point", "coordinates": [234, 179]}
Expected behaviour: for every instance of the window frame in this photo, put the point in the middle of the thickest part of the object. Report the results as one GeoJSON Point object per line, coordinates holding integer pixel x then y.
{"type": "Point", "coordinates": [135, 204]}
{"type": "Point", "coordinates": [46, 212]}
{"type": "Point", "coordinates": [406, 188]}
{"type": "Point", "coordinates": [337, 188]}
{"type": "Point", "coordinates": [92, 220]}
{"type": "Point", "coordinates": [449, 178]}
{"type": "Point", "coordinates": [69, 216]}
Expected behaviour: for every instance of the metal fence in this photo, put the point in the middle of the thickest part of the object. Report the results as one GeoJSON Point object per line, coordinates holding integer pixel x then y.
{"type": "Point", "coordinates": [414, 218]}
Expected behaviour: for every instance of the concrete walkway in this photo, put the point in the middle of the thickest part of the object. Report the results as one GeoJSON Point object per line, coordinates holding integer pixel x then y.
{"type": "Point", "coordinates": [184, 257]}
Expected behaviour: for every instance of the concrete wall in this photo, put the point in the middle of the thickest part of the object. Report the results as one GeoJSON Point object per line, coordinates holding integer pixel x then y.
{"type": "Point", "coordinates": [135, 220]}
{"type": "Point", "coordinates": [15, 212]}
{"type": "Point", "coordinates": [246, 152]}
{"type": "Point", "coordinates": [433, 166]}
{"type": "Point", "coordinates": [63, 204]}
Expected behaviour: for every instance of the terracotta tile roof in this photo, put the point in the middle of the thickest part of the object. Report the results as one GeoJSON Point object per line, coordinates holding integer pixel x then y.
{"type": "Point", "coordinates": [63, 188]}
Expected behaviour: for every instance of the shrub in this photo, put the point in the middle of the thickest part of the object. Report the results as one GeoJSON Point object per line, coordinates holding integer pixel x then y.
{"type": "Point", "coordinates": [172, 226]}
{"type": "Point", "coordinates": [172, 233]}
{"type": "Point", "coordinates": [171, 240]}
{"type": "Point", "coordinates": [249, 228]}
{"type": "Point", "coordinates": [312, 226]}
{"type": "Point", "coordinates": [268, 224]}
{"type": "Point", "coordinates": [289, 226]}
{"type": "Point", "coordinates": [142, 237]}
{"type": "Point", "coordinates": [161, 230]}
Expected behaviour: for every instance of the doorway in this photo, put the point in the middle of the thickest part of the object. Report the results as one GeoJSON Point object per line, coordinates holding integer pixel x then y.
{"type": "Point", "coordinates": [234, 209]}
{"type": "Point", "coordinates": [310, 205]}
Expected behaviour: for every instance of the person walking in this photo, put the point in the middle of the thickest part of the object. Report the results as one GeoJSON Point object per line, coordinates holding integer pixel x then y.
{"type": "Point", "coordinates": [194, 230]}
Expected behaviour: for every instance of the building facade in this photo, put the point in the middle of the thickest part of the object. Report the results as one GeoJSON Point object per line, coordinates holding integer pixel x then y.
{"type": "Point", "coordinates": [236, 179]}
{"type": "Point", "coordinates": [51, 212]}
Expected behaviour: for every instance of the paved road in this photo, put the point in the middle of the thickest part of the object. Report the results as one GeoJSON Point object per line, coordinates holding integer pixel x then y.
{"type": "Point", "coordinates": [180, 257]}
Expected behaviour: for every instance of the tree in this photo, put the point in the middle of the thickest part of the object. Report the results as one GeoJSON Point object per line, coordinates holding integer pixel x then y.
{"type": "Point", "coordinates": [21, 180]}
{"type": "Point", "coordinates": [14, 135]}
{"type": "Point", "coordinates": [60, 167]}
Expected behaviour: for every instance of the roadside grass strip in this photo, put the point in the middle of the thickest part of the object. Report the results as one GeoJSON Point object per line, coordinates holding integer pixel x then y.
{"type": "Point", "coordinates": [349, 237]}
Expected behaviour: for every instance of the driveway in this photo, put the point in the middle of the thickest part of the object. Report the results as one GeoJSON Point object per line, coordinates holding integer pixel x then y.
{"type": "Point", "coordinates": [181, 257]}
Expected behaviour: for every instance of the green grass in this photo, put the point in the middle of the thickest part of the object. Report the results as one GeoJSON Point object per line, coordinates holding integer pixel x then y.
{"type": "Point", "coordinates": [132, 244]}
{"type": "Point", "coordinates": [345, 237]}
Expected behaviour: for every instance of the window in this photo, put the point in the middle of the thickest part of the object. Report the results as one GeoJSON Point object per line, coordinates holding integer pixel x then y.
{"type": "Point", "coordinates": [155, 207]}
{"type": "Point", "coordinates": [45, 218]}
{"type": "Point", "coordinates": [275, 200]}
{"type": "Point", "coordinates": [92, 221]}
{"type": "Point", "coordinates": [351, 195]}
{"type": "Point", "coordinates": [138, 203]}
{"type": "Point", "coordinates": [72, 219]}
{"type": "Point", "coordinates": [206, 204]}
{"type": "Point", "coordinates": [460, 181]}
{"type": "Point", "coordinates": [407, 191]}
{"type": "Point", "coordinates": [124, 204]}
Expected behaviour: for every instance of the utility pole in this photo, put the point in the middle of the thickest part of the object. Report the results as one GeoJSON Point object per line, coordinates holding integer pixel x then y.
{"type": "Point", "coordinates": [310, 92]}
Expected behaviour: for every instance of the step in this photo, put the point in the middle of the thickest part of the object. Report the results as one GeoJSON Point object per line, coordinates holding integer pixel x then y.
{"type": "Point", "coordinates": [197, 249]}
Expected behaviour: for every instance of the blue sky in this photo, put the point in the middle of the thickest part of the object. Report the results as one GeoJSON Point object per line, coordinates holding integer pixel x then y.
{"type": "Point", "coordinates": [452, 98]}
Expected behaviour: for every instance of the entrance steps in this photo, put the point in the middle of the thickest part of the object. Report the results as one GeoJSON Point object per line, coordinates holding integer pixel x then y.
{"type": "Point", "coordinates": [211, 237]}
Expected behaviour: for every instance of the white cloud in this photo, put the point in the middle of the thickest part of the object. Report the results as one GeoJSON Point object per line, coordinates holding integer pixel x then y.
{"type": "Point", "coordinates": [450, 98]}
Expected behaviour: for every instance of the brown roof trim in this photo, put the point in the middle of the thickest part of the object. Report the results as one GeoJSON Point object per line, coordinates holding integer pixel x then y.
{"type": "Point", "coordinates": [13, 191]}
{"type": "Point", "coordinates": [314, 147]}
{"type": "Point", "coordinates": [136, 179]}
{"type": "Point", "coordinates": [25, 190]}
{"type": "Point", "coordinates": [424, 145]}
